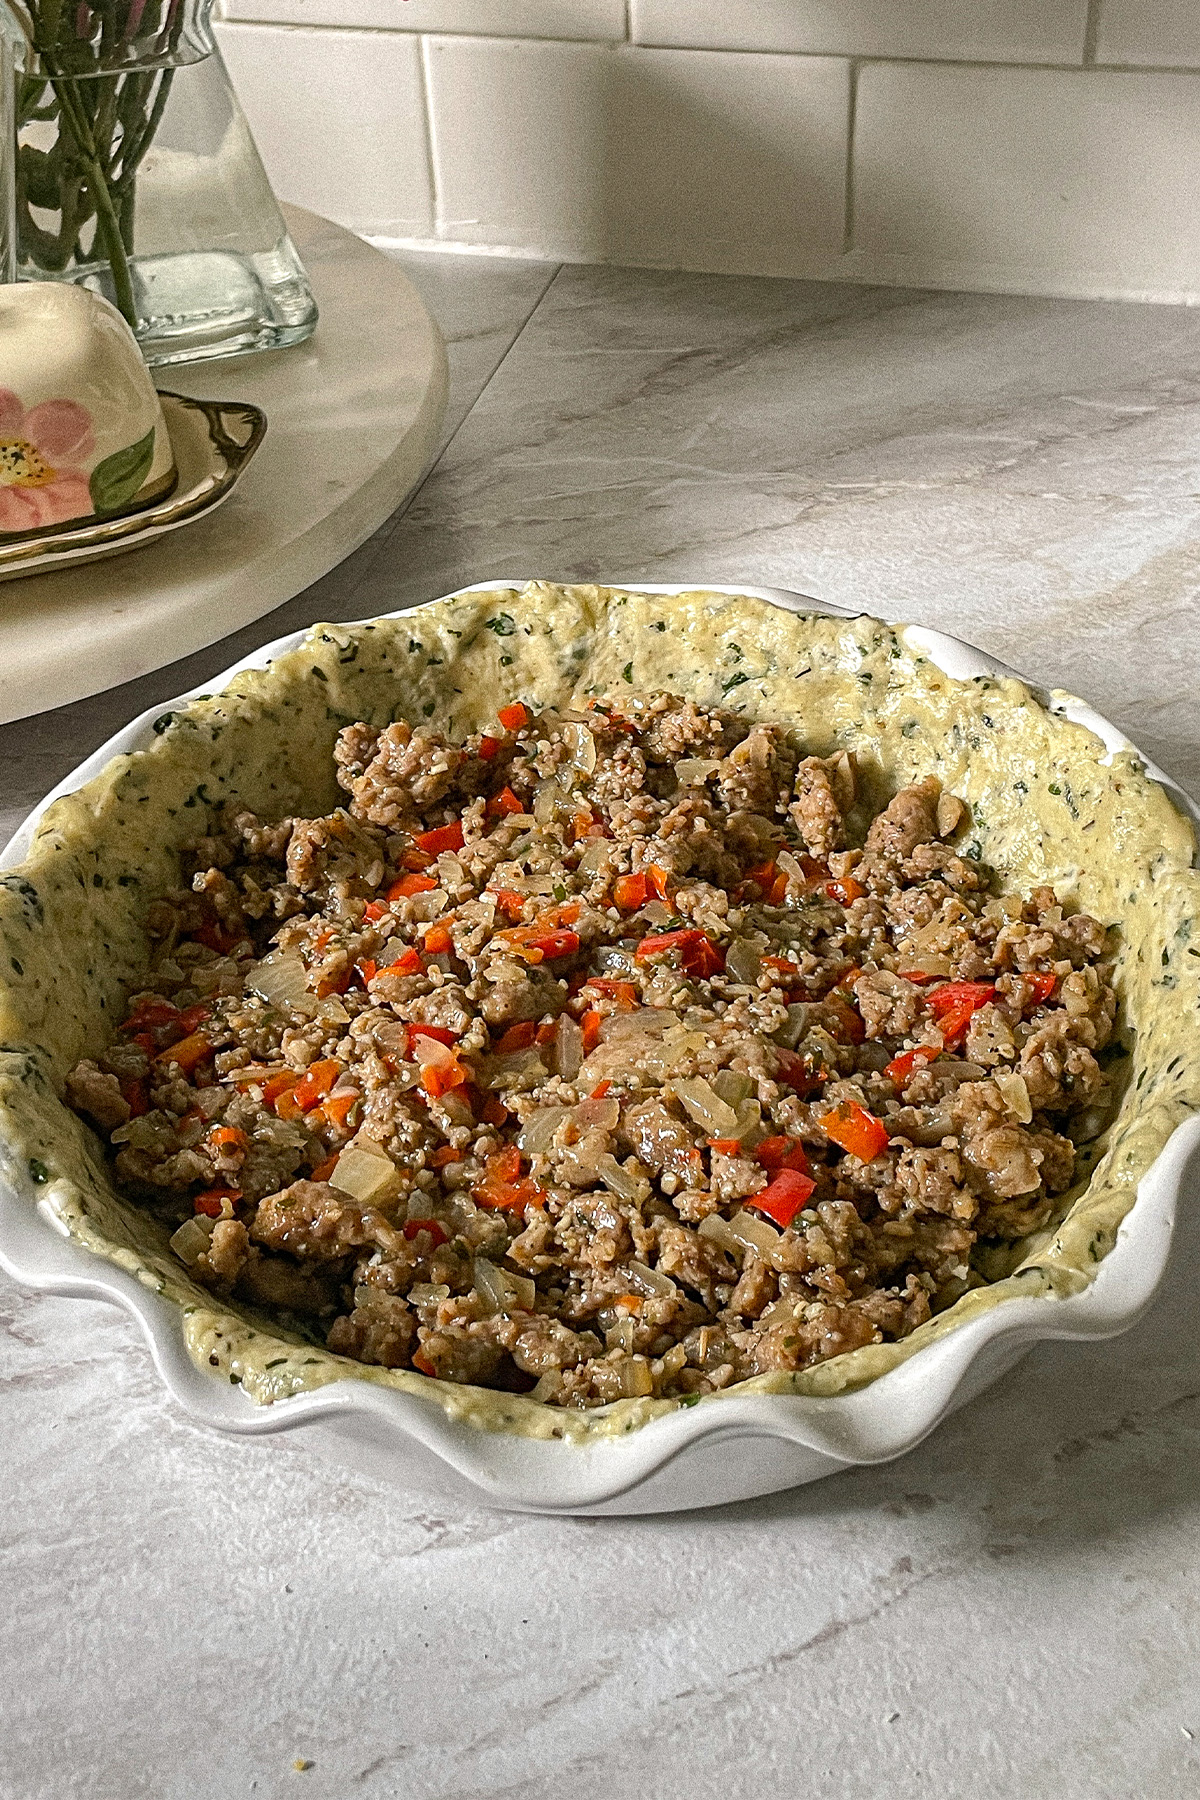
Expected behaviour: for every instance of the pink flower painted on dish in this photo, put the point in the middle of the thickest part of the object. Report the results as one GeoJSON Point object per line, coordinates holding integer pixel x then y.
{"type": "Point", "coordinates": [40, 481]}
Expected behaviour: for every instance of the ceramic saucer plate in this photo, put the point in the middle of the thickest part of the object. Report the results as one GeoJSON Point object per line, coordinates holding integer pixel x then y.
{"type": "Point", "coordinates": [213, 441]}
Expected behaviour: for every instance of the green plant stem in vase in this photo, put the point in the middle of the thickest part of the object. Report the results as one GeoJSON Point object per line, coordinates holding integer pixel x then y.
{"type": "Point", "coordinates": [137, 175]}
{"type": "Point", "coordinates": [102, 122]}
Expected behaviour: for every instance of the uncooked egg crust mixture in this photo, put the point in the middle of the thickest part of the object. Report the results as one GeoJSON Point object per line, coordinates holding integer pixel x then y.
{"type": "Point", "coordinates": [574, 1004]}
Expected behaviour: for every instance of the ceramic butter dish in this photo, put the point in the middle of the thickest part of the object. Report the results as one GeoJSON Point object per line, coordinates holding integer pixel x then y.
{"type": "Point", "coordinates": [82, 434]}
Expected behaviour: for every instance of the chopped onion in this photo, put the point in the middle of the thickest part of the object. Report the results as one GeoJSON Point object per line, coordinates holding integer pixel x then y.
{"type": "Point", "coordinates": [755, 1233]}
{"type": "Point", "coordinates": [536, 1135]}
{"type": "Point", "coordinates": [282, 980]}
{"type": "Point", "coordinates": [513, 1066]}
{"type": "Point", "coordinates": [582, 745]}
{"type": "Point", "coordinates": [780, 1312]}
{"type": "Point", "coordinates": [716, 1229]}
{"type": "Point", "coordinates": [192, 1239]}
{"type": "Point", "coordinates": [706, 1107]}
{"type": "Point", "coordinates": [592, 1115]}
{"type": "Point", "coordinates": [550, 798]}
{"type": "Point", "coordinates": [500, 1291]}
{"type": "Point", "coordinates": [657, 913]}
{"type": "Point", "coordinates": [428, 1050]}
{"type": "Point", "coordinates": [620, 1336]}
{"type": "Point", "coordinates": [796, 1026]}
{"type": "Point", "coordinates": [742, 1232]}
{"type": "Point", "coordinates": [743, 959]}
{"type": "Point", "coordinates": [613, 961]}
{"type": "Point", "coordinates": [596, 855]}
{"type": "Point", "coordinates": [450, 871]}
{"type": "Point", "coordinates": [620, 1180]}
{"type": "Point", "coordinates": [647, 1021]}
{"type": "Point", "coordinates": [422, 1292]}
{"type": "Point", "coordinates": [369, 1176]}
{"type": "Point", "coordinates": [569, 1047]}
{"type": "Point", "coordinates": [548, 1387]}
{"type": "Point", "coordinates": [635, 1377]}
{"type": "Point", "coordinates": [732, 1086]}
{"type": "Point", "coordinates": [1014, 1094]}
{"type": "Point", "coordinates": [650, 1281]}
{"type": "Point", "coordinates": [791, 868]}
{"type": "Point", "coordinates": [695, 769]}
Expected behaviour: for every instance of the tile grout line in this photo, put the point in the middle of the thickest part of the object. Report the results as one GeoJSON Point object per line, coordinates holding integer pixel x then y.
{"type": "Point", "coordinates": [431, 168]}
{"type": "Point", "coordinates": [848, 197]}
{"type": "Point", "coordinates": [998, 63]}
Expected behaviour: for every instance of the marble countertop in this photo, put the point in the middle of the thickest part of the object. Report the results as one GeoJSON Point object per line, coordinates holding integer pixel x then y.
{"type": "Point", "coordinates": [1009, 1611]}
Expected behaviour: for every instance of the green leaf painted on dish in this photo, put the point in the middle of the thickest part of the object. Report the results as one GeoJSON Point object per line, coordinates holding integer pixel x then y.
{"type": "Point", "coordinates": [117, 479]}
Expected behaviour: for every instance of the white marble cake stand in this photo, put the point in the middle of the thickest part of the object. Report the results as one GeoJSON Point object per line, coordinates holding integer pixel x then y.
{"type": "Point", "coordinates": [353, 418]}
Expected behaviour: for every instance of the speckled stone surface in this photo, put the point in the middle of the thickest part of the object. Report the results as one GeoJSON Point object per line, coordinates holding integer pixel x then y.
{"type": "Point", "coordinates": [1010, 1611]}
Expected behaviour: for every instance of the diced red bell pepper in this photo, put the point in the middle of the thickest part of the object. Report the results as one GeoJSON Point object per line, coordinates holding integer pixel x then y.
{"type": "Point", "coordinates": [902, 1068]}
{"type": "Point", "coordinates": [846, 890]}
{"type": "Point", "coordinates": [1041, 987]}
{"type": "Point", "coordinates": [133, 1091]}
{"type": "Point", "coordinates": [227, 1137]}
{"type": "Point", "coordinates": [339, 1108]}
{"type": "Point", "coordinates": [412, 858]}
{"type": "Point", "coordinates": [215, 937]}
{"type": "Point", "coordinates": [784, 1197]}
{"type": "Point", "coordinates": [440, 1078]}
{"type": "Point", "coordinates": [441, 1034]}
{"type": "Point", "coordinates": [856, 1130]}
{"type": "Point", "coordinates": [517, 1037]}
{"type": "Point", "coordinates": [151, 1012]}
{"type": "Point", "coordinates": [337, 981]}
{"type": "Point", "coordinates": [422, 1362]}
{"type": "Point", "coordinates": [503, 803]}
{"type": "Point", "coordinates": [436, 1230]}
{"type": "Point", "coordinates": [623, 992]}
{"type": "Point", "coordinates": [509, 1196]}
{"type": "Point", "coordinates": [546, 1033]}
{"type": "Point", "coordinates": [411, 884]}
{"type": "Point", "coordinates": [442, 837]}
{"type": "Point", "coordinates": [493, 1111]}
{"type": "Point", "coordinates": [277, 1085]}
{"type": "Point", "coordinates": [188, 1053]}
{"type": "Point", "coordinates": [782, 966]}
{"type": "Point", "coordinates": [953, 994]}
{"type": "Point", "coordinates": [316, 1082]}
{"type": "Point", "coordinates": [367, 968]}
{"type": "Point", "coordinates": [210, 1201]}
{"type": "Point", "coordinates": [513, 717]}
{"type": "Point", "coordinates": [488, 747]}
{"type": "Point", "coordinates": [551, 944]}
{"type": "Point", "coordinates": [775, 1153]}
{"type": "Point", "coordinates": [590, 1025]}
{"type": "Point", "coordinates": [725, 1146]}
{"type": "Point", "coordinates": [325, 1169]}
{"type": "Point", "coordinates": [698, 955]}
{"type": "Point", "coordinates": [406, 961]}
{"type": "Point", "coordinates": [796, 1072]}
{"type": "Point", "coordinates": [509, 901]}
{"type": "Point", "coordinates": [849, 1028]}
{"type": "Point", "coordinates": [762, 875]}
{"type": "Point", "coordinates": [955, 1003]}
{"type": "Point", "coordinates": [630, 892]}
{"type": "Point", "coordinates": [446, 1153]}
{"type": "Point", "coordinates": [374, 910]}
{"type": "Point", "coordinates": [599, 1091]}
{"type": "Point", "coordinates": [438, 941]}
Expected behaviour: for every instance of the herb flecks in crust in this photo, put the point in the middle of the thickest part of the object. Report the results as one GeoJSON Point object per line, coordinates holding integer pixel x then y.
{"type": "Point", "coordinates": [603, 1054]}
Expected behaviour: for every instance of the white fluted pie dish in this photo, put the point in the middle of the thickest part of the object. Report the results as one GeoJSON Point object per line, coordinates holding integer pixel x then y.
{"type": "Point", "coordinates": [730, 1446]}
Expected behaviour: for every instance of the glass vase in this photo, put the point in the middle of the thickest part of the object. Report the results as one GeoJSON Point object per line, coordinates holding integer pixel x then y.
{"type": "Point", "coordinates": [136, 175]}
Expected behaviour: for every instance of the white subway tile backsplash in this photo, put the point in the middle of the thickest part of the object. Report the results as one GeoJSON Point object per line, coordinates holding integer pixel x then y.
{"type": "Point", "coordinates": [1166, 32]}
{"type": "Point", "coordinates": [339, 119]}
{"type": "Point", "coordinates": [701, 161]}
{"type": "Point", "coordinates": [972, 30]}
{"type": "Point", "coordinates": [1034, 180]}
{"type": "Point", "coordinates": [599, 19]}
{"type": "Point", "coordinates": [734, 163]}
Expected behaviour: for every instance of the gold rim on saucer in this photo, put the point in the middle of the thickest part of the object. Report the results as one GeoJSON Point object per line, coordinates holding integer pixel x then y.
{"type": "Point", "coordinates": [213, 440]}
